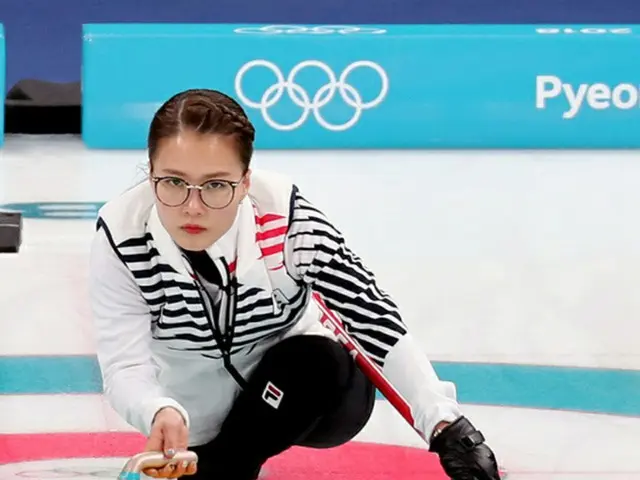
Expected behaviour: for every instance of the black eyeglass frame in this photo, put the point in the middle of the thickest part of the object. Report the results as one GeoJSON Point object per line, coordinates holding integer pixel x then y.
{"type": "Point", "coordinates": [199, 188]}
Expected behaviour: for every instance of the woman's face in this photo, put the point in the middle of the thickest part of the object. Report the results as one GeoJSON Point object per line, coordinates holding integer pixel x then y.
{"type": "Point", "coordinates": [208, 160]}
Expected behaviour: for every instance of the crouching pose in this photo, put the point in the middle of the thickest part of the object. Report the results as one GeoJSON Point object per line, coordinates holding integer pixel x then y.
{"type": "Point", "coordinates": [200, 284]}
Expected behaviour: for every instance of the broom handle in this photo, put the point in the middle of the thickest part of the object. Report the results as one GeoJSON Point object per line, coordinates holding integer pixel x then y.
{"type": "Point", "coordinates": [369, 368]}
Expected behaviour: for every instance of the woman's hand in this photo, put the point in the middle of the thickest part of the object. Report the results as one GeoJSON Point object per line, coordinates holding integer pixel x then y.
{"type": "Point", "coordinates": [169, 434]}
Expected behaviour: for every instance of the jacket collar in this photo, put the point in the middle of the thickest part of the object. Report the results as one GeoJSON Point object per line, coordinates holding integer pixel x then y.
{"type": "Point", "coordinates": [237, 246]}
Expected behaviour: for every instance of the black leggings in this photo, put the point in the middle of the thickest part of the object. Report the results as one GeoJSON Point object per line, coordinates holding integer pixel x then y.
{"type": "Point", "coordinates": [326, 400]}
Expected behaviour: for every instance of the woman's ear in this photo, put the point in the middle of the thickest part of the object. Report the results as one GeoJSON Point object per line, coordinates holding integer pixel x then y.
{"type": "Point", "coordinates": [246, 183]}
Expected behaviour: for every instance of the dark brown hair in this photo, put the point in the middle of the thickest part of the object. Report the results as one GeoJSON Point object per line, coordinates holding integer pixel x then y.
{"type": "Point", "coordinates": [202, 111]}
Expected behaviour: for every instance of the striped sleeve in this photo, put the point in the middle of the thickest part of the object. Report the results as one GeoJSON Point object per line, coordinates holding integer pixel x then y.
{"type": "Point", "coordinates": [121, 321]}
{"type": "Point", "coordinates": [321, 258]}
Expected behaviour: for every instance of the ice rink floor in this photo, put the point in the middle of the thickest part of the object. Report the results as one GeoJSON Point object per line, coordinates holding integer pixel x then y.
{"type": "Point", "coordinates": [580, 423]}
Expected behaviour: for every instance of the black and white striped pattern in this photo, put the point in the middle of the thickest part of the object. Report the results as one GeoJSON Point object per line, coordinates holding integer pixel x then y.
{"type": "Point", "coordinates": [179, 314]}
{"type": "Point", "coordinates": [176, 307]}
{"type": "Point", "coordinates": [349, 289]}
{"type": "Point", "coordinates": [183, 316]}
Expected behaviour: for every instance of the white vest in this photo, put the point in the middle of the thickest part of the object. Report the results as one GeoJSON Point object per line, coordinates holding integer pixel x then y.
{"type": "Point", "coordinates": [266, 305]}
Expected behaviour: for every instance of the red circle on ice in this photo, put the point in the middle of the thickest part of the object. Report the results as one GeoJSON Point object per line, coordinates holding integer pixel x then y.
{"type": "Point", "coordinates": [98, 455]}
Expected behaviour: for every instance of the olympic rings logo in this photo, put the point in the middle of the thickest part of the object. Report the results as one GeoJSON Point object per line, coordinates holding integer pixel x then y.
{"type": "Point", "coordinates": [322, 96]}
{"type": "Point", "coordinates": [315, 30]}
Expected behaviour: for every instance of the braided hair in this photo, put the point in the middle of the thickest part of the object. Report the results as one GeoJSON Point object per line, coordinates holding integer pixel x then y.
{"type": "Point", "coordinates": [203, 111]}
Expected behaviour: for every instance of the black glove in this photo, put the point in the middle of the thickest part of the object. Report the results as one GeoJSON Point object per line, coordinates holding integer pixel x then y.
{"type": "Point", "coordinates": [463, 453]}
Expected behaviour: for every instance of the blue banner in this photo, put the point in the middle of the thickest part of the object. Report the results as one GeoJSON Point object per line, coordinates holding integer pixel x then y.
{"type": "Point", "coordinates": [3, 75]}
{"type": "Point", "coordinates": [374, 86]}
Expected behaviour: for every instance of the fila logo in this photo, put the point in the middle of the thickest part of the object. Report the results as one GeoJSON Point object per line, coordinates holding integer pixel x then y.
{"type": "Point", "coordinates": [272, 395]}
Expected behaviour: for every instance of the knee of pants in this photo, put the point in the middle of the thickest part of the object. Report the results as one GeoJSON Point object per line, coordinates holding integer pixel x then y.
{"type": "Point", "coordinates": [311, 367]}
{"type": "Point", "coordinates": [345, 422]}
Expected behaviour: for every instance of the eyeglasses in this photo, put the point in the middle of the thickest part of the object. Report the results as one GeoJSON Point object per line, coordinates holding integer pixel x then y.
{"type": "Point", "coordinates": [173, 191]}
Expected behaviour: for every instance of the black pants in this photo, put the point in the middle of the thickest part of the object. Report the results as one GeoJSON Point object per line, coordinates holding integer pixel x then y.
{"type": "Point", "coordinates": [325, 401]}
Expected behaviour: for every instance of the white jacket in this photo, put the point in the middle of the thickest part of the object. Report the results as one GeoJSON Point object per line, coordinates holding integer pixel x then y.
{"type": "Point", "coordinates": [156, 336]}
